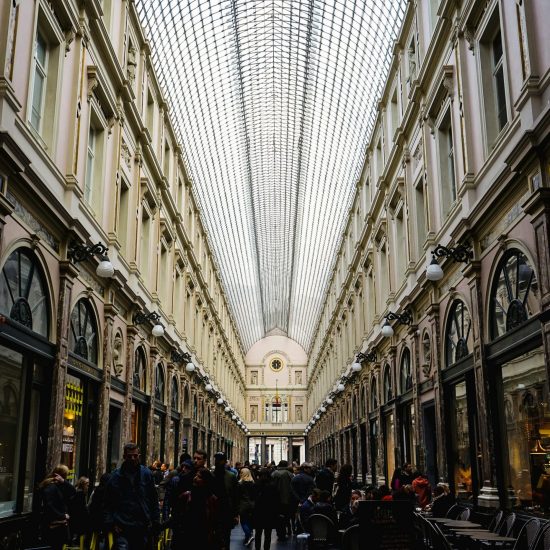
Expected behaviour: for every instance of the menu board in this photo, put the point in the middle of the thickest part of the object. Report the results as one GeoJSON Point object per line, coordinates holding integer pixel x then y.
{"type": "Point", "coordinates": [387, 525]}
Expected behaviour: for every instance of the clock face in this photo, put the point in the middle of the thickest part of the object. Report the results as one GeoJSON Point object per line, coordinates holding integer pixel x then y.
{"type": "Point", "coordinates": [276, 365]}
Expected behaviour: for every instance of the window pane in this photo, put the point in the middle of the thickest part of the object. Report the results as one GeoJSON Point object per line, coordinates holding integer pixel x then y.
{"type": "Point", "coordinates": [526, 427]}
{"type": "Point", "coordinates": [41, 50]}
{"type": "Point", "coordinates": [36, 109]}
{"type": "Point", "coordinates": [31, 447]}
{"type": "Point", "coordinates": [11, 392]}
{"type": "Point", "coordinates": [72, 425]}
{"type": "Point", "coordinates": [460, 460]}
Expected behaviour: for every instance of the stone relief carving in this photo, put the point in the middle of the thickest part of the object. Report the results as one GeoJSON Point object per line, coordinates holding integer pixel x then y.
{"type": "Point", "coordinates": [118, 356]}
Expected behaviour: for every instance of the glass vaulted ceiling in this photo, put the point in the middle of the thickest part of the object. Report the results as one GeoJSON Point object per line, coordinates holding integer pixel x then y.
{"type": "Point", "coordinates": [273, 102]}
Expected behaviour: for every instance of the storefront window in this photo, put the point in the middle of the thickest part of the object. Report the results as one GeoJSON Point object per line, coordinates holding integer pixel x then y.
{"type": "Point", "coordinates": [139, 369]}
{"type": "Point", "coordinates": [175, 394]}
{"type": "Point", "coordinates": [406, 375]}
{"type": "Point", "coordinates": [514, 294]}
{"type": "Point", "coordinates": [390, 445]}
{"type": "Point", "coordinates": [526, 426]}
{"type": "Point", "coordinates": [458, 335]}
{"type": "Point", "coordinates": [158, 437]}
{"type": "Point", "coordinates": [23, 295]}
{"type": "Point", "coordinates": [460, 439]}
{"type": "Point", "coordinates": [83, 334]}
{"type": "Point", "coordinates": [72, 424]}
{"type": "Point", "coordinates": [388, 392]}
{"type": "Point", "coordinates": [373, 396]}
{"type": "Point", "coordinates": [12, 383]}
{"type": "Point", "coordinates": [159, 383]}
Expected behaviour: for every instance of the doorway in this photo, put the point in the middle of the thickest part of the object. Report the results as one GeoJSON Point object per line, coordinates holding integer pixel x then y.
{"type": "Point", "coordinates": [430, 442]}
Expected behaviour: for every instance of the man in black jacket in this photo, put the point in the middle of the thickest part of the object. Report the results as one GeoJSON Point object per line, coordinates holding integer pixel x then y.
{"type": "Point", "coordinates": [325, 478]}
{"type": "Point", "coordinates": [226, 489]}
{"type": "Point", "coordinates": [131, 503]}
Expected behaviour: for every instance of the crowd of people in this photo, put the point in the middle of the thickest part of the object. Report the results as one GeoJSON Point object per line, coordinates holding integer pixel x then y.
{"type": "Point", "coordinates": [199, 506]}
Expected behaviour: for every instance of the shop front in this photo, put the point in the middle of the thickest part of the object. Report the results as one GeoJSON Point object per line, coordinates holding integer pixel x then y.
{"type": "Point", "coordinates": [26, 366]}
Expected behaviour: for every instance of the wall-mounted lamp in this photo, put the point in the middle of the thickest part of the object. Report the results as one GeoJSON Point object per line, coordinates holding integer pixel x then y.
{"type": "Point", "coordinates": [340, 387]}
{"type": "Point", "coordinates": [227, 408]}
{"type": "Point", "coordinates": [330, 401]}
{"type": "Point", "coordinates": [404, 318]}
{"type": "Point", "coordinates": [461, 253]}
{"type": "Point", "coordinates": [140, 318]}
{"type": "Point", "coordinates": [220, 401]}
{"type": "Point", "coordinates": [234, 417]}
{"type": "Point", "coordinates": [80, 252]}
{"type": "Point", "coordinates": [323, 409]}
{"type": "Point", "coordinates": [183, 358]}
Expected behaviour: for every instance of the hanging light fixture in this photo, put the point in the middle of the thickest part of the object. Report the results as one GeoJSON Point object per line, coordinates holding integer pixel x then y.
{"type": "Point", "coordinates": [461, 253]}
{"type": "Point", "coordinates": [330, 401]}
{"type": "Point", "coordinates": [404, 318]}
{"type": "Point", "coordinates": [323, 409]}
{"type": "Point", "coordinates": [79, 253]}
{"type": "Point", "coordinates": [141, 318]}
{"type": "Point", "coordinates": [220, 401]}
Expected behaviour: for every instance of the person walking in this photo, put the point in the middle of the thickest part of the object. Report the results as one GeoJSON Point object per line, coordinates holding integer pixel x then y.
{"type": "Point", "coordinates": [227, 490]}
{"type": "Point", "coordinates": [131, 503]}
{"type": "Point", "coordinates": [302, 483]}
{"type": "Point", "coordinates": [197, 519]}
{"type": "Point", "coordinates": [266, 506]}
{"type": "Point", "coordinates": [96, 507]}
{"type": "Point", "coordinates": [56, 494]}
{"type": "Point", "coordinates": [79, 522]}
{"type": "Point", "coordinates": [343, 487]}
{"type": "Point", "coordinates": [282, 480]}
{"type": "Point", "coordinates": [246, 504]}
{"type": "Point", "coordinates": [324, 479]}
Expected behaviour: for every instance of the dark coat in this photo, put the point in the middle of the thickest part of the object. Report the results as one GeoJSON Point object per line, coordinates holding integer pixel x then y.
{"type": "Point", "coordinates": [324, 480]}
{"type": "Point", "coordinates": [266, 506]}
{"type": "Point", "coordinates": [305, 511]}
{"type": "Point", "coordinates": [56, 498]}
{"type": "Point", "coordinates": [226, 489]}
{"type": "Point", "coordinates": [79, 516]}
{"type": "Point", "coordinates": [131, 500]}
{"type": "Point", "coordinates": [343, 493]}
{"type": "Point", "coordinates": [246, 499]}
{"type": "Point", "coordinates": [302, 486]}
{"type": "Point", "coordinates": [96, 507]}
{"type": "Point", "coordinates": [442, 504]}
{"type": "Point", "coordinates": [326, 509]}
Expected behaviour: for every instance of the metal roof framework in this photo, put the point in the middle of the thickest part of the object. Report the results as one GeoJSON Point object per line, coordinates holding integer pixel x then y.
{"type": "Point", "coordinates": [273, 103]}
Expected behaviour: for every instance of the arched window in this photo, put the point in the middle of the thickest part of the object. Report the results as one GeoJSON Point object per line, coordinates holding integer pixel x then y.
{"type": "Point", "coordinates": [458, 334]}
{"type": "Point", "coordinates": [23, 294]}
{"type": "Point", "coordinates": [175, 394]}
{"type": "Point", "coordinates": [195, 408]}
{"type": "Point", "coordinates": [513, 293]}
{"type": "Point", "coordinates": [354, 408]}
{"type": "Point", "coordinates": [83, 334]}
{"type": "Point", "coordinates": [159, 383]}
{"type": "Point", "coordinates": [186, 402]}
{"type": "Point", "coordinates": [406, 371]}
{"type": "Point", "coordinates": [139, 369]}
{"type": "Point", "coordinates": [373, 396]}
{"type": "Point", "coordinates": [388, 392]}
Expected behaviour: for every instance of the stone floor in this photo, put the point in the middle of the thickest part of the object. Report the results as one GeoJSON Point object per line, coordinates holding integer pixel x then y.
{"type": "Point", "coordinates": [237, 541]}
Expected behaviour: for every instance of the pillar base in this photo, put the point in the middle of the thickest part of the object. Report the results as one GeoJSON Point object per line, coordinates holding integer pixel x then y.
{"type": "Point", "coordinates": [488, 497]}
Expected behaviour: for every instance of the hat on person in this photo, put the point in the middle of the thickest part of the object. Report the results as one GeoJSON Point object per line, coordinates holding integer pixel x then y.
{"type": "Point", "coordinates": [188, 463]}
{"type": "Point", "coordinates": [220, 456]}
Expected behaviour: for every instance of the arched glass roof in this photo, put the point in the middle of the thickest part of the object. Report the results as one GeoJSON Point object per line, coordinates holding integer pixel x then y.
{"type": "Point", "coordinates": [273, 103]}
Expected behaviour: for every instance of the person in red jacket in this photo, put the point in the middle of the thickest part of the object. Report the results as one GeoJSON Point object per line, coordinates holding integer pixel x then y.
{"type": "Point", "coordinates": [423, 490]}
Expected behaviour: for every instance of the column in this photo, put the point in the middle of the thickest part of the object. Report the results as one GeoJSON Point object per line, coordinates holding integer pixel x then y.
{"type": "Point", "coordinates": [289, 449]}
{"type": "Point", "coordinates": [263, 458]}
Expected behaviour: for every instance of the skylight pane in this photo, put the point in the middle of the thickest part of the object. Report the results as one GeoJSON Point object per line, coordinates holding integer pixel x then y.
{"type": "Point", "coordinates": [273, 103]}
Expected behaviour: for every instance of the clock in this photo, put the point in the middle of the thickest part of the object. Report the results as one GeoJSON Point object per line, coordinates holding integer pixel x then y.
{"type": "Point", "coordinates": [276, 365]}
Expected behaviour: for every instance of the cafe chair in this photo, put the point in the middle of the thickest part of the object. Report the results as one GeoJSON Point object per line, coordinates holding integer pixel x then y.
{"type": "Point", "coordinates": [528, 535]}
{"type": "Point", "coordinates": [454, 511]}
{"type": "Point", "coordinates": [464, 515]}
{"type": "Point", "coordinates": [543, 538]}
{"type": "Point", "coordinates": [321, 532]}
{"type": "Point", "coordinates": [350, 538]}
{"type": "Point", "coordinates": [437, 540]}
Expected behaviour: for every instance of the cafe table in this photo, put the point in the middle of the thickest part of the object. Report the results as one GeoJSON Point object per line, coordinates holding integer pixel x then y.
{"type": "Point", "coordinates": [492, 538]}
{"type": "Point", "coordinates": [461, 524]}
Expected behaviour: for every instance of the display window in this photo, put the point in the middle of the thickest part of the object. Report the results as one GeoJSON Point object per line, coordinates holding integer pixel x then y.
{"type": "Point", "coordinates": [526, 431]}
{"type": "Point", "coordinates": [389, 439]}
{"type": "Point", "coordinates": [72, 424]}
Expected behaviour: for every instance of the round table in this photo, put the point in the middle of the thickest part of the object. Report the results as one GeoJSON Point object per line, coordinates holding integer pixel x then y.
{"type": "Point", "coordinates": [461, 524]}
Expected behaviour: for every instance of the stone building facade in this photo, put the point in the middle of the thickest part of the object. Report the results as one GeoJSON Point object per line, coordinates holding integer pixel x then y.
{"type": "Point", "coordinates": [459, 156]}
{"type": "Point", "coordinates": [88, 155]}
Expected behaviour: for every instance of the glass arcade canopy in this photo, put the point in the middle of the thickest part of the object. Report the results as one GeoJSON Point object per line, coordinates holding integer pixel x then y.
{"type": "Point", "coordinates": [273, 102]}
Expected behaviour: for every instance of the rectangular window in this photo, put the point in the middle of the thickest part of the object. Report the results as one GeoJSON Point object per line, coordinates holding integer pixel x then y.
{"type": "Point", "coordinates": [446, 164]}
{"type": "Point", "coordinates": [123, 216]}
{"type": "Point", "coordinates": [498, 81]}
{"type": "Point", "coordinates": [39, 84]}
{"type": "Point", "coordinates": [90, 160]}
{"type": "Point", "coordinates": [493, 79]}
{"type": "Point", "coordinates": [421, 222]}
{"type": "Point", "coordinates": [144, 258]}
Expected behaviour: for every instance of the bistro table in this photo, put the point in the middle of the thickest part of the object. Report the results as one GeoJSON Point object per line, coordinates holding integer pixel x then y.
{"type": "Point", "coordinates": [492, 538]}
{"type": "Point", "coordinates": [461, 524]}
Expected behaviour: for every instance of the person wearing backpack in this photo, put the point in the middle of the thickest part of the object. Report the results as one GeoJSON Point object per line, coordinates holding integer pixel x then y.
{"type": "Point", "coordinates": [56, 494]}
